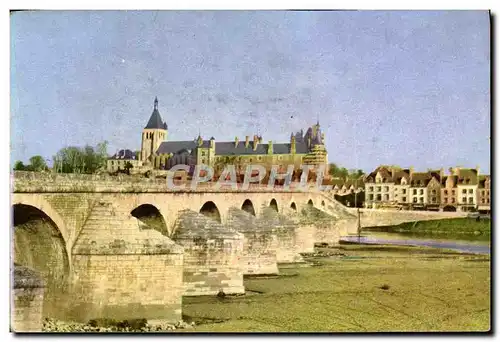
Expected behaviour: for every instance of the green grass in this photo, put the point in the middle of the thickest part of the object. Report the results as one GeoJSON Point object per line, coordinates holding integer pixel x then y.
{"type": "Point", "coordinates": [399, 289]}
{"type": "Point", "coordinates": [459, 228]}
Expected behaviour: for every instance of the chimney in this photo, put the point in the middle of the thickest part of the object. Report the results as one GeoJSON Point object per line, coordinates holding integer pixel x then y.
{"type": "Point", "coordinates": [212, 142]}
{"type": "Point", "coordinates": [255, 142]}
{"type": "Point", "coordinates": [411, 171]}
{"type": "Point", "coordinates": [270, 147]}
{"type": "Point", "coordinates": [477, 170]}
{"type": "Point", "coordinates": [236, 142]}
{"type": "Point", "coordinates": [247, 138]}
{"type": "Point", "coordinates": [293, 146]}
{"type": "Point", "coordinates": [441, 173]}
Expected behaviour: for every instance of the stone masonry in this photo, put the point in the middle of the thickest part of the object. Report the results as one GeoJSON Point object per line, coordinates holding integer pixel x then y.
{"type": "Point", "coordinates": [123, 270]}
{"type": "Point", "coordinates": [27, 293]}
{"type": "Point", "coordinates": [211, 255]}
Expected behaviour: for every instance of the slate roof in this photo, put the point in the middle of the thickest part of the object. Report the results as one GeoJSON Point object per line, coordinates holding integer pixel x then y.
{"type": "Point", "coordinates": [227, 148]}
{"type": "Point", "coordinates": [124, 155]}
{"type": "Point", "coordinates": [177, 146]}
{"type": "Point", "coordinates": [398, 176]}
{"type": "Point", "coordinates": [467, 176]}
{"type": "Point", "coordinates": [420, 179]}
{"type": "Point", "coordinates": [155, 121]}
{"type": "Point", "coordinates": [384, 172]}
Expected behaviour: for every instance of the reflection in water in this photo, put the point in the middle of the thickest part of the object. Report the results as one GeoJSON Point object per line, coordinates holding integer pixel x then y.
{"type": "Point", "coordinates": [397, 239]}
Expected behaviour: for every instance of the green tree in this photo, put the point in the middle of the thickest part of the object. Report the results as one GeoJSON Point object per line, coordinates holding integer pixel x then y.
{"type": "Point", "coordinates": [19, 166]}
{"type": "Point", "coordinates": [37, 164]}
{"type": "Point", "coordinates": [81, 160]}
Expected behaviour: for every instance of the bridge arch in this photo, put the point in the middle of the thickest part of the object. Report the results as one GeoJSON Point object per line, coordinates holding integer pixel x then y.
{"type": "Point", "coordinates": [310, 203]}
{"type": "Point", "coordinates": [274, 205]}
{"type": "Point", "coordinates": [41, 204]}
{"type": "Point", "coordinates": [210, 209]}
{"type": "Point", "coordinates": [450, 208]}
{"type": "Point", "coordinates": [293, 206]}
{"type": "Point", "coordinates": [248, 207]}
{"type": "Point", "coordinates": [323, 203]}
{"type": "Point", "coordinates": [40, 245]}
{"type": "Point", "coordinates": [150, 215]}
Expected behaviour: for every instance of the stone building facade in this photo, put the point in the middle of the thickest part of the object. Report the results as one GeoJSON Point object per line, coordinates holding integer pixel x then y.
{"type": "Point", "coordinates": [431, 190]}
{"type": "Point", "coordinates": [483, 193]}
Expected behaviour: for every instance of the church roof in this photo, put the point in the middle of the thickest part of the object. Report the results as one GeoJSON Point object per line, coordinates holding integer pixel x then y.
{"type": "Point", "coordinates": [155, 121]}
{"type": "Point", "coordinates": [228, 148]}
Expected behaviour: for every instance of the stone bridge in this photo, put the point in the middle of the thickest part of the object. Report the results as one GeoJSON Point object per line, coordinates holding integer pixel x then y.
{"type": "Point", "coordinates": [78, 231]}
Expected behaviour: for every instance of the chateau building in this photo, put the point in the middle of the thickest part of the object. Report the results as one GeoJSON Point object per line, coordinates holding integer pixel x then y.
{"type": "Point", "coordinates": [159, 153]}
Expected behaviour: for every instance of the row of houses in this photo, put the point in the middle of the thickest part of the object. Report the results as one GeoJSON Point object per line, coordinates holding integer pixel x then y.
{"type": "Point", "coordinates": [463, 189]}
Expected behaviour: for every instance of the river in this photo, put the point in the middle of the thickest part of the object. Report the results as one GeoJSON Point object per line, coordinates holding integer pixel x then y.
{"type": "Point", "coordinates": [476, 247]}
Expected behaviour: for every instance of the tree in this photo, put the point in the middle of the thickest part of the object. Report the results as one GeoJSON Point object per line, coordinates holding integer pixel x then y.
{"type": "Point", "coordinates": [81, 160]}
{"type": "Point", "coordinates": [37, 164]}
{"type": "Point", "coordinates": [19, 166]}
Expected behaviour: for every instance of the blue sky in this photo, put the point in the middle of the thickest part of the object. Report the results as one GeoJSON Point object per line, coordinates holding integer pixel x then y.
{"type": "Point", "coordinates": [410, 88]}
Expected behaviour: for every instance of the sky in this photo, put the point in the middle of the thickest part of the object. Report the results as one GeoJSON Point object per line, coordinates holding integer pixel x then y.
{"type": "Point", "coordinates": [407, 88]}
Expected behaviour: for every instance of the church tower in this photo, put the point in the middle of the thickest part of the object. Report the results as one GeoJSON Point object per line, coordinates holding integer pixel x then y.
{"type": "Point", "coordinates": [153, 134]}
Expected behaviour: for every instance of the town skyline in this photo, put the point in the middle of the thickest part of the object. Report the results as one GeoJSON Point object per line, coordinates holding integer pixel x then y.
{"type": "Point", "coordinates": [96, 87]}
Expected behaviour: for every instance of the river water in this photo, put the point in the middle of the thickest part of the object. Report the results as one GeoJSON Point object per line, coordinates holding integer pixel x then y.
{"type": "Point", "coordinates": [476, 247]}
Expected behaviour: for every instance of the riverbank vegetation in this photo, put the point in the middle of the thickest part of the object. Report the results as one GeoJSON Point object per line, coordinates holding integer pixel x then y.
{"type": "Point", "coordinates": [358, 289]}
{"type": "Point", "coordinates": [458, 228]}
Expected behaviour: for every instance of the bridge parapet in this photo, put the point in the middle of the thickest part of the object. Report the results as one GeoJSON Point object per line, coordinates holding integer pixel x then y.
{"type": "Point", "coordinates": [45, 182]}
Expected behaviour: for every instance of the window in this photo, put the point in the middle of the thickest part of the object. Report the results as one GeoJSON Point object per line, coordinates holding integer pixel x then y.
{"type": "Point", "coordinates": [453, 200]}
{"type": "Point", "coordinates": [421, 191]}
{"type": "Point", "coordinates": [250, 160]}
{"type": "Point", "coordinates": [482, 200]}
{"type": "Point", "coordinates": [370, 197]}
{"type": "Point", "coordinates": [203, 153]}
{"type": "Point", "coordinates": [404, 199]}
{"type": "Point", "coordinates": [386, 188]}
{"type": "Point", "coordinates": [414, 191]}
{"type": "Point", "coordinates": [378, 188]}
{"type": "Point", "coordinates": [259, 158]}
{"type": "Point", "coordinates": [471, 191]}
{"type": "Point", "coordinates": [371, 188]}
{"type": "Point", "coordinates": [395, 195]}
{"type": "Point", "coordinates": [446, 192]}
{"type": "Point", "coordinates": [464, 191]}
{"type": "Point", "coordinates": [464, 199]}
{"type": "Point", "coordinates": [453, 192]}
{"type": "Point", "coordinates": [421, 200]}
{"type": "Point", "coordinates": [483, 192]}
{"type": "Point", "coordinates": [414, 200]}
{"type": "Point", "coordinates": [487, 200]}
{"type": "Point", "coordinates": [445, 200]}
{"type": "Point", "coordinates": [434, 200]}
{"type": "Point", "coordinates": [203, 161]}
{"type": "Point", "coordinates": [379, 197]}
{"type": "Point", "coordinates": [386, 197]}
{"type": "Point", "coordinates": [471, 200]}
{"type": "Point", "coordinates": [433, 191]}
{"type": "Point", "coordinates": [404, 191]}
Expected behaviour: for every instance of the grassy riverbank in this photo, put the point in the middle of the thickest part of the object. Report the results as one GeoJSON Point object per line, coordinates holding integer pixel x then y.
{"type": "Point", "coordinates": [369, 288]}
{"type": "Point", "coordinates": [459, 228]}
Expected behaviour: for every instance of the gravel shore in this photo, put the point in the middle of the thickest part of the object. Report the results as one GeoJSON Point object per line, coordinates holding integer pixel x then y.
{"type": "Point", "coordinates": [51, 325]}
